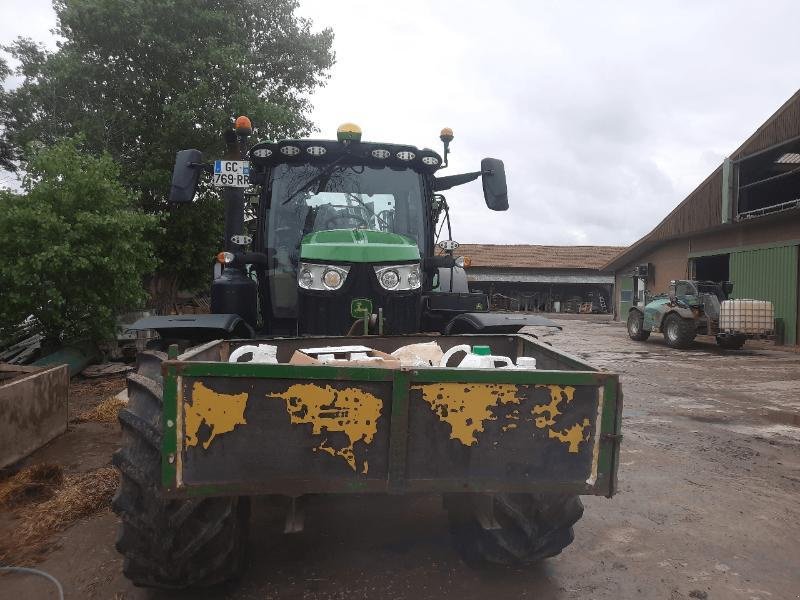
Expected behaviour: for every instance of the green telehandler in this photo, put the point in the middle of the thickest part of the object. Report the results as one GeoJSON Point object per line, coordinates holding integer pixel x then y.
{"type": "Point", "coordinates": [693, 308]}
{"type": "Point", "coordinates": [331, 243]}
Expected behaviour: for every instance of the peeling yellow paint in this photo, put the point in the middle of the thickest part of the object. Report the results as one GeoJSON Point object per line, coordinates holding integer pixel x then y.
{"type": "Point", "coordinates": [467, 407]}
{"type": "Point", "coordinates": [351, 411]}
{"type": "Point", "coordinates": [557, 393]}
{"type": "Point", "coordinates": [220, 412]}
{"type": "Point", "coordinates": [572, 435]}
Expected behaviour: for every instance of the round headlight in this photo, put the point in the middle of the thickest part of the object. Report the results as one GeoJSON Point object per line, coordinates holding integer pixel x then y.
{"type": "Point", "coordinates": [390, 279]}
{"type": "Point", "coordinates": [413, 280]}
{"type": "Point", "coordinates": [332, 279]}
{"type": "Point", "coordinates": [306, 278]}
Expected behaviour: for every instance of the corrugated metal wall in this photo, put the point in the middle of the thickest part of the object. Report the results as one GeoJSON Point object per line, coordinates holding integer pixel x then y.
{"type": "Point", "coordinates": [769, 274]}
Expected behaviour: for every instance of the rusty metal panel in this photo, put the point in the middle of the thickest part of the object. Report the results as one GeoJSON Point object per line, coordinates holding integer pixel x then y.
{"type": "Point", "coordinates": [498, 432]}
{"type": "Point", "coordinates": [769, 274]}
{"type": "Point", "coordinates": [33, 411]}
{"type": "Point", "coordinates": [289, 429]}
{"type": "Point", "coordinates": [283, 432]}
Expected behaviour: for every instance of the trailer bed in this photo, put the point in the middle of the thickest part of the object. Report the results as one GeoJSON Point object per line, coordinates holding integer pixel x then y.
{"type": "Point", "coordinates": [248, 428]}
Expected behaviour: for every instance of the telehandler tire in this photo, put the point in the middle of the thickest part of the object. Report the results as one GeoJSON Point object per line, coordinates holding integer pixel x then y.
{"type": "Point", "coordinates": [636, 330]}
{"type": "Point", "coordinates": [678, 332]}
{"type": "Point", "coordinates": [168, 543]}
{"type": "Point", "coordinates": [528, 528]}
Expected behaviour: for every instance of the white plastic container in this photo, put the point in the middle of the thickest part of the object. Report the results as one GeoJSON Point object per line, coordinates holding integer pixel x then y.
{"type": "Point", "coordinates": [262, 353]}
{"type": "Point", "coordinates": [752, 317]}
{"type": "Point", "coordinates": [477, 357]}
{"type": "Point", "coordinates": [525, 363]}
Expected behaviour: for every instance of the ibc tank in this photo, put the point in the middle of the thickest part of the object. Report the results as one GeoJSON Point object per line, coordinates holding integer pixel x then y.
{"type": "Point", "coordinates": [753, 317]}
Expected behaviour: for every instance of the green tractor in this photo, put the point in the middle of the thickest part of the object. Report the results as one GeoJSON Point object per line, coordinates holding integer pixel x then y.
{"type": "Point", "coordinates": [332, 243]}
{"type": "Point", "coordinates": [691, 308]}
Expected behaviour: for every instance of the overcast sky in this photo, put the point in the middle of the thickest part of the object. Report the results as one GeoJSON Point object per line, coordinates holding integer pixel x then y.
{"type": "Point", "coordinates": [607, 114]}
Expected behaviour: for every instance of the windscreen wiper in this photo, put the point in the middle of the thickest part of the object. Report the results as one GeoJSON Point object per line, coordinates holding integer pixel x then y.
{"type": "Point", "coordinates": [318, 178]}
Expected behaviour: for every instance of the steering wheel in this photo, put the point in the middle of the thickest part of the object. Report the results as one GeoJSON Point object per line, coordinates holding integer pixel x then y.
{"type": "Point", "coordinates": [361, 221]}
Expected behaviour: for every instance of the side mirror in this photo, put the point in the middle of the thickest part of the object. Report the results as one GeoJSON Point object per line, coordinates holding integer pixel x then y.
{"type": "Point", "coordinates": [495, 191]}
{"type": "Point", "coordinates": [185, 176]}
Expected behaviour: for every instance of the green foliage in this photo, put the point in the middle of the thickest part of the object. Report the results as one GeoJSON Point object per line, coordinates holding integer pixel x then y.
{"type": "Point", "coordinates": [74, 248]}
{"type": "Point", "coordinates": [6, 151]}
{"type": "Point", "coordinates": [142, 79]}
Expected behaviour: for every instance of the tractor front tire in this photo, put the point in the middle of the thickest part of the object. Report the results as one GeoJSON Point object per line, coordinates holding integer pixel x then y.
{"type": "Point", "coordinates": [636, 330]}
{"type": "Point", "coordinates": [168, 543]}
{"type": "Point", "coordinates": [528, 527]}
{"type": "Point", "coordinates": [678, 332]}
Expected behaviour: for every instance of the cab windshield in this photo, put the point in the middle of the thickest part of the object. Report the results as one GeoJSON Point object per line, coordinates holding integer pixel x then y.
{"type": "Point", "coordinates": [308, 198]}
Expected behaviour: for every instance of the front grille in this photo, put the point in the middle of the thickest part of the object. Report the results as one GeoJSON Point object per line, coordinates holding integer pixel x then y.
{"type": "Point", "coordinates": [328, 313]}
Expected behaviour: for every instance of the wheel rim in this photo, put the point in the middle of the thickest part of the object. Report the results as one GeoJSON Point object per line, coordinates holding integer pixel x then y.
{"type": "Point", "coordinates": [634, 326]}
{"type": "Point", "coordinates": [672, 331]}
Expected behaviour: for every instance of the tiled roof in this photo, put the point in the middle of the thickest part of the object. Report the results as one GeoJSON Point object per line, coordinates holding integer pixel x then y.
{"type": "Point", "coordinates": [538, 257]}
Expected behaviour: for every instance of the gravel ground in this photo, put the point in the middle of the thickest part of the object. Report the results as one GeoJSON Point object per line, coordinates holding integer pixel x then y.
{"type": "Point", "coordinates": [708, 503]}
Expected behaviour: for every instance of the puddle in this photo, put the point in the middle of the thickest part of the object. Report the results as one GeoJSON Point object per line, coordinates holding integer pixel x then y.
{"type": "Point", "coordinates": [768, 431]}
{"type": "Point", "coordinates": [707, 418]}
{"type": "Point", "coordinates": [782, 418]}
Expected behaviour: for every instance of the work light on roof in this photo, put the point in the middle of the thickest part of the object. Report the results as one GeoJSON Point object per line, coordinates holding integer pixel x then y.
{"type": "Point", "coordinates": [430, 160]}
{"type": "Point", "coordinates": [380, 153]}
{"type": "Point", "coordinates": [290, 150]}
{"type": "Point", "coordinates": [316, 150]}
{"type": "Point", "coordinates": [348, 132]}
{"type": "Point", "coordinates": [262, 152]}
{"type": "Point", "coordinates": [405, 155]}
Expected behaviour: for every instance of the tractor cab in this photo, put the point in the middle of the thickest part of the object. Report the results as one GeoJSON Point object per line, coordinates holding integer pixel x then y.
{"type": "Point", "coordinates": [701, 296]}
{"type": "Point", "coordinates": [340, 237]}
{"type": "Point", "coordinates": [345, 222]}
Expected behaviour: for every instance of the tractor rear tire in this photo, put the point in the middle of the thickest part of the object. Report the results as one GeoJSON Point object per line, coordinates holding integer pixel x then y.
{"type": "Point", "coordinates": [532, 527]}
{"type": "Point", "coordinates": [678, 332]}
{"type": "Point", "coordinates": [636, 330]}
{"type": "Point", "coordinates": [168, 543]}
{"type": "Point", "coordinates": [731, 342]}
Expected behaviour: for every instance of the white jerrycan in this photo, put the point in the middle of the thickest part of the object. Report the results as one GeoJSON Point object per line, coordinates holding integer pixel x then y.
{"type": "Point", "coordinates": [477, 357]}
{"type": "Point", "coordinates": [262, 353]}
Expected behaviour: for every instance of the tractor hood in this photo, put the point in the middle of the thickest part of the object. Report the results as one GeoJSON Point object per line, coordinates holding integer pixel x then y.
{"type": "Point", "coordinates": [358, 246]}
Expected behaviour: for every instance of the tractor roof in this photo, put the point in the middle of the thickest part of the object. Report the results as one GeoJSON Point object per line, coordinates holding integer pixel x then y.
{"type": "Point", "coordinates": [265, 154]}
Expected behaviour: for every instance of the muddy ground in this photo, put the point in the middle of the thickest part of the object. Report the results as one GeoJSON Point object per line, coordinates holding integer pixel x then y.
{"type": "Point", "coordinates": [709, 502]}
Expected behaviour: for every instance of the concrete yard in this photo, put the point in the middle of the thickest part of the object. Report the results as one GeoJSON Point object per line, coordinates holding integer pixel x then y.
{"type": "Point", "coordinates": [708, 507]}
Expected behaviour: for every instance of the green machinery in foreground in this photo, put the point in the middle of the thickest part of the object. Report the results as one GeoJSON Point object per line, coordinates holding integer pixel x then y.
{"type": "Point", "coordinates": [342, 243]}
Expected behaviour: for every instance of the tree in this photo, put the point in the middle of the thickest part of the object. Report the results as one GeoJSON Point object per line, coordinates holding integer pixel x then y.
{"type": "Point", "coordinates": [74, 248]}
{"type": "Point", "coordinates": [141, 80]}
{"type": "Point", "coordinates": [6, 151]}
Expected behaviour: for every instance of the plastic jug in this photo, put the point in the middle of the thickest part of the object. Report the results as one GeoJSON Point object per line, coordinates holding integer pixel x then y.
{"type": "Point", "coordinates": [262, 353]}
{"type": "Point", "coordinates": [477, 357]}
{"type": "Point", "coordinates": [524, 363]}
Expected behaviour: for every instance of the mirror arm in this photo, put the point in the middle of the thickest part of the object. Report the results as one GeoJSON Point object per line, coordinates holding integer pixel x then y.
{"type": "Point", "coordinates": [208, 167]}
{"type": "Point", "coordinates": [449, 181]}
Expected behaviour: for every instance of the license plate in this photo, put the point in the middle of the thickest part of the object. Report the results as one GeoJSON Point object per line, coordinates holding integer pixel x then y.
{"type": "Point", "coordinates": [231, 173]}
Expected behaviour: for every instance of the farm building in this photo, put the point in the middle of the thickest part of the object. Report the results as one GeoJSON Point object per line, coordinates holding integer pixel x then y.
{"type": "Point", "coordinates": [742, 224]}
{"type": "Point", "coordinates": [542, 278]}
